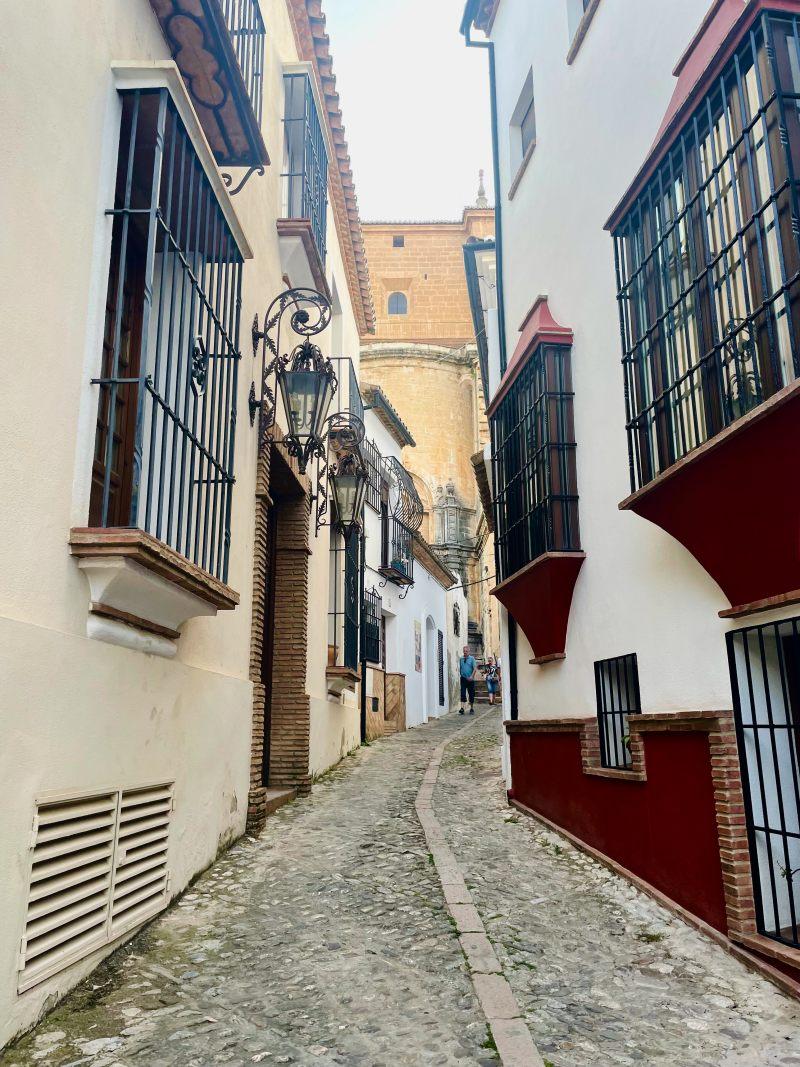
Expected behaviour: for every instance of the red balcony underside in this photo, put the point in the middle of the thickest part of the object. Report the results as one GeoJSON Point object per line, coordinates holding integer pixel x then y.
{"type": "Point", "coordinates": [734, 504]}
{"type": "Point", "coordinates": [539, 598]}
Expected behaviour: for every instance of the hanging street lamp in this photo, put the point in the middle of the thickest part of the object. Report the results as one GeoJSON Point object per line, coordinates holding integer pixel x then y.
{"type": "Point", "coordinates": [347, 473]}
{"type": "Point", "coordinates": [304, 377]}
{"type": "Point", "coordinates": [307, 384]}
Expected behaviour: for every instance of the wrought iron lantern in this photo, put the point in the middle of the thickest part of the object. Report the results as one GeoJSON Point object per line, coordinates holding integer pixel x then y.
{"type": "Point", "coordinates": [305, 379]}
{"type": "Point", "coordinates": [347, 473]}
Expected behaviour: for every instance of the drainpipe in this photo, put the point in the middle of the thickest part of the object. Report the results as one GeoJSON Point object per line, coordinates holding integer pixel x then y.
{"type": "Point", "coordinates": [363, 685]}
{"type": "Point", "coordinates": [466, 30]}
{"type": "Point", "coordinates": [467, 20]}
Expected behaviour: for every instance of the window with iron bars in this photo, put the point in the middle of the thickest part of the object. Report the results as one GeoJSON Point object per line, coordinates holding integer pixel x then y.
{"type": "Point", "coordinates": [617, 687]}
{"type": "Point", "coordinates": [764, 665]}
{"type": "Point", "coordinates": [533, 453]}
{"type": "Point", "coordinates": [164, 444]}
{"type": "Point", "coordinates": [374, 462]}
{"type": "Point", "coordinates": [708, 261]}
{"type": "Point", "coordinates": [440, 657]}
{"type": "Point", "coordinates": [371, 628]}
{"type": "Point", "coordinates": [397, 549]}
{"type": "Point", "coordinates": [344, 615]}
{"type": "Point", "coordinates": [305, 159]}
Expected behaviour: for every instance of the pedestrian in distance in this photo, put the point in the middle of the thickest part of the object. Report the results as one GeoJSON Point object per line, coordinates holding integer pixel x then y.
{"type": "Point", "coordinates": [491, 672]}
{"type": "Point", "coordinates": [467, 668]}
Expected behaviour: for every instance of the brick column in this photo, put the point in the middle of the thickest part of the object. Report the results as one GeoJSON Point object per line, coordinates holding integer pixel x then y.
{"type": "Point", "coordinates": [279, 483]}
{"type": "Point", "coordinates": [291, 706]}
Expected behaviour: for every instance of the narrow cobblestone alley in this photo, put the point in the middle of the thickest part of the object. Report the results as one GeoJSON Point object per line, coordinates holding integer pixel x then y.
{"type": "Point", "coordinates": [327, 941]}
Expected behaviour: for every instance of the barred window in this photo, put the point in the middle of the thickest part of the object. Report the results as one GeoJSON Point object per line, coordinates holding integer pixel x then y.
{"type": "Point", "coordinates": [374, 462]}
{"type": "Point", "coordinates": [533, 452]}
{"type": "Point", "coordinates": [164, 445]}
{"type": "Point", "coordinates": [765, 678]}
{"type": "Point", "coordinates": [617, 686]}
{"type": "Point", "coordinates": [305, 159]}
{"type": "Point", "coordinates": [708, 261]}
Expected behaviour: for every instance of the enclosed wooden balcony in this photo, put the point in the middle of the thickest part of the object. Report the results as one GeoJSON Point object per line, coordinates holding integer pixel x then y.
{"type": "Point", "coordinates": [218, 46]}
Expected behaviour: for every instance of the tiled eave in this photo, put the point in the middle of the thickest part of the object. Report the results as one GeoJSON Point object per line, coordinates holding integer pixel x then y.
{"type": "Point", "coordinates": [732, 503]}
{"type": "Point", "coordinates": [313, 45]}
{"type": "Point", "coordinates": [379, 402]}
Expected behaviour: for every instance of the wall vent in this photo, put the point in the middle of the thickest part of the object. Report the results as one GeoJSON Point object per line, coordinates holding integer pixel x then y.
{"type": "Point", "coordinates": [98, 869]}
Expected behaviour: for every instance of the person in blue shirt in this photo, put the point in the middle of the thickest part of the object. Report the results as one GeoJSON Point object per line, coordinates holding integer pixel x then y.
{"type": "Point", "coordinates": [466, 668]}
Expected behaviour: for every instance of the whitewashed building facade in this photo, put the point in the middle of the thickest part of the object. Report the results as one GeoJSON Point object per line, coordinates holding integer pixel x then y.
{"type": "Point", "coordinates": [643, 408]}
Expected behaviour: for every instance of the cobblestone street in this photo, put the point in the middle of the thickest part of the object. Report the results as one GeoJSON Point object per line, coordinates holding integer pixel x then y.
{"type": "Point", "coordinates": [327, 941]}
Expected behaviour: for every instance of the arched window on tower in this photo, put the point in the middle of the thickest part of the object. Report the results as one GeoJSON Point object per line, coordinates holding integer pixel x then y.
{"type": "Point", "coordinates": [398, 304]}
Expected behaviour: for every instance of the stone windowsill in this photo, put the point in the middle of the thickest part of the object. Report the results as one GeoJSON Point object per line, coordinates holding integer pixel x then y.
{"type": "Point", "coordinates": [765, 946]}
{"type": "Point", "coordinates": [340, 679]}
{"type": "Point", "coordinates": [582, 30]}
{"type": "Point", "coordinates": [521, 169]}
{"type": "Point", "coordinates": [141, 590]}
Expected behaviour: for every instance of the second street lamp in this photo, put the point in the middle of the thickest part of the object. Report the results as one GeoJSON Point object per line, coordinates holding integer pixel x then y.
{"type": "Point", "coordinates": [348, 473]}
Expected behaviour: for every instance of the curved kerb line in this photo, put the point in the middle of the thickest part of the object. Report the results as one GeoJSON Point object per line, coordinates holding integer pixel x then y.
{"type": "Point", "coordinates": [509, 1030]}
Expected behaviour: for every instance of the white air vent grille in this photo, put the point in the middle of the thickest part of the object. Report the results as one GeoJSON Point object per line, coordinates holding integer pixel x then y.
{"type": "Point", "coordinates": [140, 873]}
{"type": "Point", "coordinates": [98, 868]}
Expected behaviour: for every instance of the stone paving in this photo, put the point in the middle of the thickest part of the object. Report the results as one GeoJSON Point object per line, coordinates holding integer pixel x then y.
{"type": "Point", "coordinates": [327, 941]}
{"type": "Point", "coordinates": [604, 974]}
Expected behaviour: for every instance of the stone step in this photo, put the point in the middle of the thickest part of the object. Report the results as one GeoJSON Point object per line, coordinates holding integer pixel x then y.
{"type": "Point", "coordinates": [276, 798]}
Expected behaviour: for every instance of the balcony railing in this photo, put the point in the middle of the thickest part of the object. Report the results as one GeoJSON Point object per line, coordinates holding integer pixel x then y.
{"type": "Point", "coordinates": [708, 260]}
{"type": "Point", "coordinates": [397, 563]}
{"type": "Point", "coordinates": [218, 46]}
{"type": "Point", "coordinates": [305, 162]}
{"type": "Point", "coordinates": [246, 27]}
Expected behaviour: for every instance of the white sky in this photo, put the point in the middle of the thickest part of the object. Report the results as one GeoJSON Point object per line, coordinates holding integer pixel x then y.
{"type": "Point", "coordinates": [415, 102]}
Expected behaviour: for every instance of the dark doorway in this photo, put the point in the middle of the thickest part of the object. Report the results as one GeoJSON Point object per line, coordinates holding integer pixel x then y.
{"type": "Point", "coordinates": [268, 640]}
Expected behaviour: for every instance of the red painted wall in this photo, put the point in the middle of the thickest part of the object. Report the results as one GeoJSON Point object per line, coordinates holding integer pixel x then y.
{"type": "Point", "coordinates": [663, 830]}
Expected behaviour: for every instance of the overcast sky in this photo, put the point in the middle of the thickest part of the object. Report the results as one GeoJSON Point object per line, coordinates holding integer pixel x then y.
{"type": "Point", "coordinates": [415, 106]}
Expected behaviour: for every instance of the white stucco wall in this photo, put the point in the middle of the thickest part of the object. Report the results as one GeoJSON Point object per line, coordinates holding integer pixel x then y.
{"type": "Point", "coordinates": [77, 714]}
{"type": "Point", "coordinates": [639, 590]}
{"type": "Point", "coordinates": [424, 603]}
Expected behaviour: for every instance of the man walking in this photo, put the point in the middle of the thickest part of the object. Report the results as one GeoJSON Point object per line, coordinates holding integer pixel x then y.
{"type": "Point", "coordinates": [466, 668]}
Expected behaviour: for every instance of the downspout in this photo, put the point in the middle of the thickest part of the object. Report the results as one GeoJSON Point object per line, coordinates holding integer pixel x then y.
{"type": "Point", "coordinates": [466, 30]}
{"type": "Point", "coordinates": [467, 20]}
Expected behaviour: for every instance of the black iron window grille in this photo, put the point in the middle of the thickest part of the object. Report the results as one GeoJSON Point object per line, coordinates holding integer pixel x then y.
{"type": "Point", "coordinates": [371, 628]}
{"type": "Point", "coordinates": [708, 261]}
{"type": "Point", "coordinates": [305, 162]}
{"type": "Point", "coordinates": [344, 616]}
{"type": "Point", "coordinates": [374, 462]}
{"type": "Point", "coordinates": [164, 445]}
{"type": "Point", "coordinates": [456, 620]}
{"type": "Point", "coordinates": [248, 34]}
{"type": "Point", "coordinates": [348, 397]}
{"type": "Point", "coordinates": [401, 516]}
{"type": "Point", "coordinates": [765, 677]}
{"type": "Point", "coordinates": [617, 686]}
{"type": "Point", "coordinates": [533, 454]}
{"type": "Point", "coordinates": [440, 658]}
{"type": "Point", "coordinates": [398, 552]}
